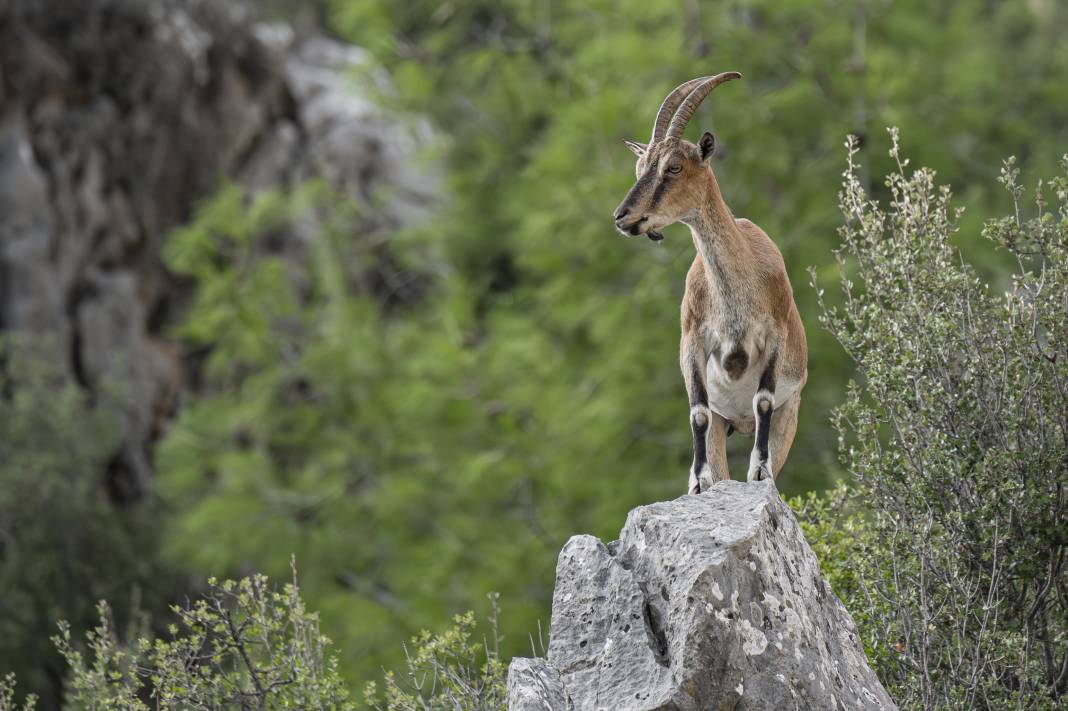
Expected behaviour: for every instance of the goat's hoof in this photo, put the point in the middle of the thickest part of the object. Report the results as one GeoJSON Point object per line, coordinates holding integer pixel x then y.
{"type": "Point", "coordinates": [760, 473]}
{"type": "Point", "coordinates": [700, 483]}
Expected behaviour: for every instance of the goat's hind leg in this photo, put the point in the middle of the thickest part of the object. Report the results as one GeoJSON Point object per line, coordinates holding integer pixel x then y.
{"type": "Point", "coordinates": [708, 428]}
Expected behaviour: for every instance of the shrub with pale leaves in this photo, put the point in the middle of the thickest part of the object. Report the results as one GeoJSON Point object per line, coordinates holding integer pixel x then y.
{"type": "Point", "coordinates": [957, 437]}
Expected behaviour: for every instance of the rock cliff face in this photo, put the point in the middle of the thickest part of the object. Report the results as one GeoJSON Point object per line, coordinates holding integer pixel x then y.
{"type": "Point", "coordinates": [115, 117]}
{"type": "Point", "coordinates": [706, 602]}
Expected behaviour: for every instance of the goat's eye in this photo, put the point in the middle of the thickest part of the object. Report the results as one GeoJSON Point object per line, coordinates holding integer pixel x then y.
{"type": "Point", "coordinates": [674, 169]}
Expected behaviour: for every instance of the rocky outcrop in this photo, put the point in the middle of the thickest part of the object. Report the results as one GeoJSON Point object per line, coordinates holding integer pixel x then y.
{"type": "Point", "coordinates": [116, 116]}
{"type": "Point", "coordinates": [706, 602]}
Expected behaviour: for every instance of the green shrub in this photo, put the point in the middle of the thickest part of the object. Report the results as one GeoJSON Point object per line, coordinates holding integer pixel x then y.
{"type": "Point", "coordinates": [246, 645]}
{"type": "Point", "coordinates": [242, 645]}
{"type": "Point", "coordinates": [958, 440]}
{"type": "Point", "coordinates": [452, 670]}
{"type": "Point", "coordinates": [7, 696]}
{"type": "Point", "coordinates": [836, 526]}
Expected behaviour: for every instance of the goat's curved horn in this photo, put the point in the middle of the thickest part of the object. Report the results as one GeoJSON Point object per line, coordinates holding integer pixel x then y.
{"type": "Point", "coordinates": [671, 103]}
{"type": "Point", "coordinates": [693, 100]}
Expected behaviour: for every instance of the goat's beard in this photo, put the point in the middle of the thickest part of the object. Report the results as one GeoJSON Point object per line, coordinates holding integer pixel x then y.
{"type": "Point", "coordinates": [653, 235]}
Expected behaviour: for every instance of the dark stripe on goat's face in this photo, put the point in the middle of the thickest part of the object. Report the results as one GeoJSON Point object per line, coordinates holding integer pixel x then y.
{"type": "Point", "coordinates": [634, 196]}
{"type": "Point", "coordinates": [637, 192]}
{"type": "Point", "coordinates": [658, 193]}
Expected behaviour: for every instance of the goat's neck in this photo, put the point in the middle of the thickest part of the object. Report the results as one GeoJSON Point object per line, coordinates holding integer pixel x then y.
{"type": "Point", "coordinates": [722, 246]}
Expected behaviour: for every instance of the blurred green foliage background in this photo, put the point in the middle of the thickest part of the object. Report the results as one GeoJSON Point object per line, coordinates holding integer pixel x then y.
{"type": "Point", "coordinates": [534, 392]}
{"type": "Point", "coordinates": [418, 452]}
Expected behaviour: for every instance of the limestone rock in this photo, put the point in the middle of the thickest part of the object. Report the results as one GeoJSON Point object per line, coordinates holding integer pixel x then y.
{"type": "Point", "coordinates": [705, 602]}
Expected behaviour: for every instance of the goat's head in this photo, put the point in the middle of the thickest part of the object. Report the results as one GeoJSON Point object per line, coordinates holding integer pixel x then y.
{"type": "Point", "coordinates": [672, 173]}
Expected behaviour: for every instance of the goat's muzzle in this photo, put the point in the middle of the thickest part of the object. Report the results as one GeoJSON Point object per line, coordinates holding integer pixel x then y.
{"type": "Point", "coordinates": [631, 225]}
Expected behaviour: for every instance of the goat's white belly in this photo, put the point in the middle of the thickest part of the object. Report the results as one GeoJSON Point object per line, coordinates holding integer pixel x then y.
{"type": "Point", "coordinates": [733, 399]}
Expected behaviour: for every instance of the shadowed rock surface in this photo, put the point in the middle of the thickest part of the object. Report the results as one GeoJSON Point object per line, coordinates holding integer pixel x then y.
{"type": "Point", "coordinates": [706, 602]}
{"type": "Point", "coordinates": [116, 116]}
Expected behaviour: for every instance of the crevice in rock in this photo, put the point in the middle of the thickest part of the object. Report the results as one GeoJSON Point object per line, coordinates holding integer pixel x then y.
{"type": "Point", "coordinates": [655, 632]}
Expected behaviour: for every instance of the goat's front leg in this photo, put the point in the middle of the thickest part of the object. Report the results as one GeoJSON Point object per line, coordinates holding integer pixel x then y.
{"type": "Point", "coordinates": [760, 466]}
{"type": "Point", "coordinates": [776, 424]}
{"type": "Point", "coordinates": [709, 428]}
{"type": "Point", "coordinates": [760, 459]}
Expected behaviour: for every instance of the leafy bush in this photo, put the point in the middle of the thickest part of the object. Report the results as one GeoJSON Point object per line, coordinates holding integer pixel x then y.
{"type": "Point", "coordinates": [958, 439]}
{"type": "Point", "coordinates": [241, 646]}
{"type": "Point", "coordinates": [450, 671]}
{"type": "Point", "coordinates": [7, 696]}
{"type": "Point", "coordinates": [838, 529]}
{"type": "Point", "coordinates": [245, 645]}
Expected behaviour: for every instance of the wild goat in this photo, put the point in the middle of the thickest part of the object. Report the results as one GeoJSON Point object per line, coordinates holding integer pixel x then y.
{"type": "Point", "coordinates": [743, 354]}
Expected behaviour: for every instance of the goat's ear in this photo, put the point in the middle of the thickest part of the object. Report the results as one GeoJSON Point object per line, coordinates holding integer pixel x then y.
{"type": "Point", "coordinates": [636, 148]}
{"type": "Point", "coordinates": [707, 146]}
